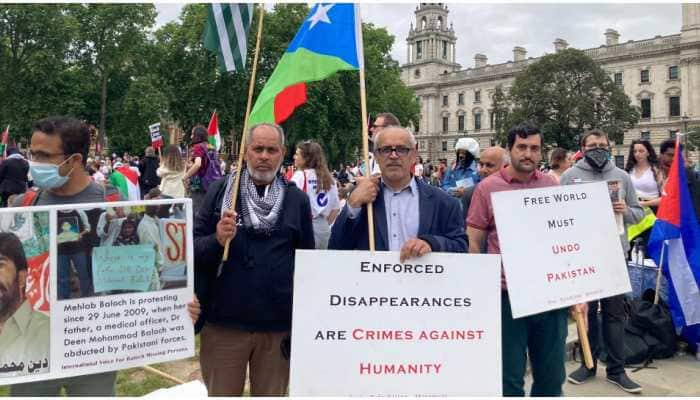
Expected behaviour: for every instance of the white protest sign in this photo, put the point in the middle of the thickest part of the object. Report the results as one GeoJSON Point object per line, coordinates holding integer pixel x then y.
{"type": "Point", "coordinates": [364, 324]}
{"type": "Point", "coordinates": [559, 246]}
{"type": "Point", "coordinates": [126, 321]}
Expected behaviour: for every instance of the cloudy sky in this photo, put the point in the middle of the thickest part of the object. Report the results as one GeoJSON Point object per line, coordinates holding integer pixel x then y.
{"type": "Point", "coordinates": [494, 29]}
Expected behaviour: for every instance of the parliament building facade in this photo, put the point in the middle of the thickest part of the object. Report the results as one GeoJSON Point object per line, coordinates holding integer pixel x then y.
{"type": "Point", "coordinates": [661, 76]}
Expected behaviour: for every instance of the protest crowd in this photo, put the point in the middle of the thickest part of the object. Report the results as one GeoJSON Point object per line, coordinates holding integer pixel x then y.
{"type": "Point", "coordinates": [289, 198]}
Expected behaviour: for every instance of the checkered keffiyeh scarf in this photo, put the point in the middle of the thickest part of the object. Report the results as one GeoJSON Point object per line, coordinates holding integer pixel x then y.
{"type": "Point", "coordinates": [260, 213]}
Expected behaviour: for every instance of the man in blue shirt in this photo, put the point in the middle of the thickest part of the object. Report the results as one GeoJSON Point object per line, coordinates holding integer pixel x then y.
{"type": "Point", "coordinates": [462, 174]}
{"type": "Point", "coordinates": [437, 226]}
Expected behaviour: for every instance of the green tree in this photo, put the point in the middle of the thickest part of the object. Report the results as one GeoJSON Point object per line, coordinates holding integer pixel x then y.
{"type": "Point", "coordinates": [500, 114]}
{"type": "Point", "coordinates": [566, 93]}
{"type": "Point", "coordinates": [108, 42]}
{"type": "Point", "coordinates": [34, 44]}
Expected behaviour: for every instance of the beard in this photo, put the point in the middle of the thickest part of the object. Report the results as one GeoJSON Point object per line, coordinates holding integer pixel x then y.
{"type": "Point", "coordinates": [521, 167]}
{"type": "Point", "coordinates": [264, 177]}
{"type": "Point", "coordinates": [9, 298]}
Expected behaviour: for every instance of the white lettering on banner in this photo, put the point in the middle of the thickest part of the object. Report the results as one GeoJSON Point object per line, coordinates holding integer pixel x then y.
{"type": "Point", "coordinates": [572, 258]}
{"type": "Point", "coordinates": [394, 329]}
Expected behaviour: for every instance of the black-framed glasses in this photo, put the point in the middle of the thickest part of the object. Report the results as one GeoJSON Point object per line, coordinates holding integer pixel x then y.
{"type": "Point", "coordinates": [385, 151]}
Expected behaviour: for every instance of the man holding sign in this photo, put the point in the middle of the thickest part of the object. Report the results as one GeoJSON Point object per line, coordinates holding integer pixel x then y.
{"type": "Point", "coordinates": [543, 335]}
{"type": "Point", "coordinates": [437, 226]}
{"type": "Point", "coordinates": [596, 166]}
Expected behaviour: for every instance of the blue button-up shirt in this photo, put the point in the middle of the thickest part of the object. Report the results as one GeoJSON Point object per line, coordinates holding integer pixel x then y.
{"type": "Point", "coordinates": [402, 216]}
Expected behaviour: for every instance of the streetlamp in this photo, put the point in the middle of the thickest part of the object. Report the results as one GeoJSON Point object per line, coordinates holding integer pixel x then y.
{"type": "Point", "coordinates": [685, 135]}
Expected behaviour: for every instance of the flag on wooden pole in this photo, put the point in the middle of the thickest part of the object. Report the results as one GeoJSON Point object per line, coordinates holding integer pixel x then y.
{"type": "Point", "coordinates": [327, 42]}
{"type": "Point", "coordinates": [226, 34]}
{"type": "Point", "coordinates": [213, 130]}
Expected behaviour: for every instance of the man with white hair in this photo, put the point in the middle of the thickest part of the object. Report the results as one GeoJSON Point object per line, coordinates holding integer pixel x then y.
{"type": "Point", "coordinates": [247, 300]}
{"type": "Point", "coordinates": [462, 174]}
{"type": "Point", "coordinates": [395, 196]}
{"type": "Point", "coordinates": [491, 161]}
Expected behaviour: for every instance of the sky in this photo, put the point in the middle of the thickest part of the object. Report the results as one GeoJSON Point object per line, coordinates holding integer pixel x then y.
{"type": "Point", "coordinates": [494, 29]}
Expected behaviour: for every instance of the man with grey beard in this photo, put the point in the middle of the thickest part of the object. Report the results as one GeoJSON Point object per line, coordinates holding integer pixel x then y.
{"type": "Point", "coordinates": [247, 300]}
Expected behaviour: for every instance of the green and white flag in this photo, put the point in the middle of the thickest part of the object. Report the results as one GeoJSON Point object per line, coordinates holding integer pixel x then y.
{"type": "Point", "coordinates": [226, 34]}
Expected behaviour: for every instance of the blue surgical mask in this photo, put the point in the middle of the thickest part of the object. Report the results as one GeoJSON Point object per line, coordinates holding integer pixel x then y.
{"type": "Point", "coordinates": [46, 175]}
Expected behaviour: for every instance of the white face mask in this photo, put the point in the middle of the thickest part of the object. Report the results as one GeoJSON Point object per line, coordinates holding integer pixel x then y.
{"type": "Point", "coordinates": [46, 175]}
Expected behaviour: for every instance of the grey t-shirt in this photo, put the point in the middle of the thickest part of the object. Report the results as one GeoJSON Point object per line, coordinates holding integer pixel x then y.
{"type": "Point", "coordinates": [94, 193]}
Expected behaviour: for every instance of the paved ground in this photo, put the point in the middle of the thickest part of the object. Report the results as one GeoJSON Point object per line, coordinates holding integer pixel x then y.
{"type": "Point", "coordinates": [677, 376]}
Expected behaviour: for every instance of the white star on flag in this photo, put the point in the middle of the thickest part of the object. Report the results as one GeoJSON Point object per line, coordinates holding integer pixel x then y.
{"type": "Point", "coordinates": [321, 14]}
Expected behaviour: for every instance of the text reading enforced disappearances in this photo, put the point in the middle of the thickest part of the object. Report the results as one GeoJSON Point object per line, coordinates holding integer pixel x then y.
{"type": "Point", "coordinates": [399, 301]}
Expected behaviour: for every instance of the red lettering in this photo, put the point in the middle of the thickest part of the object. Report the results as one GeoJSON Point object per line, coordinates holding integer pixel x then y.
{"type": "Point", "coordinates": [169, 227]}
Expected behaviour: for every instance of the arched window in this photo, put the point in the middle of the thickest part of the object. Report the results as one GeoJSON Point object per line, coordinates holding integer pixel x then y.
{"type": "Point", "coordinates": [439, 23]}
{"type": "Point", "coordinates": [423, 23]}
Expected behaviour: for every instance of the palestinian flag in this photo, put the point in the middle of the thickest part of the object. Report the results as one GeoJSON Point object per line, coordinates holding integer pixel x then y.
{"type": "Point", "coordinates": [329, 40]}
{"type": "Point", "coordinates": [4, 139]}
{"type": "Point", "coordinates": [127, 181]}
{"type": "Point", "coordinates": [214, 135]}
{"type": "Point", "coordinates": [226, 34]}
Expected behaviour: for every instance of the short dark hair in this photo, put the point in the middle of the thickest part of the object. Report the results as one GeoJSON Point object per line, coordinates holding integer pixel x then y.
{"type": "Point", "coordinates": [75, 135]}
{"type": "Point", "coordinates": [666, 144]}
{"type": "Point", "coordinates": [11, 247]}
{"type": "Point", "coordinates": [200, 134]}
{"type": "Point", "coordinates": [389, 119]}
{"type": "Point", "coordinates": [522, 130]}
{"type": "Point", "coordinates": [593, 132]}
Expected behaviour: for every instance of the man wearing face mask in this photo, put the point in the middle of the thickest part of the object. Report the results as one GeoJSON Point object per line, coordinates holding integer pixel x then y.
{"type": "Point", "coordinates": [462, 174]}
{"type": "Point", "coordinates": [58, 153]}
{"type": "Point", "coordinates": [594, 167]}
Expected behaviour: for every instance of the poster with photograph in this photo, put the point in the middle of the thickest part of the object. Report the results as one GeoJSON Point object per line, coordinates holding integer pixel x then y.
{"type": "Point", "coordinates": [102, 268]}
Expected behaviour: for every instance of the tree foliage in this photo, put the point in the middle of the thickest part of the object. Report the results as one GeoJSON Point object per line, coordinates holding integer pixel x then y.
{"type": "Point", "coordinates": [107, 65]}
{"type": "Point", "coordinates": [566, 93]}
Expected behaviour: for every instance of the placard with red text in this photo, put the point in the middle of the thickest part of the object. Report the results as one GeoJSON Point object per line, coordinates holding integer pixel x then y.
{"type": "Point", "coordinates": [560, 246]}
{"type": "Point", "coordinates": [366, 324]}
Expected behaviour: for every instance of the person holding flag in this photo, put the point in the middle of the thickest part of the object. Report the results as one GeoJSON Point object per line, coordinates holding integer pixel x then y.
{"type": "Point", "coordinates": [673, 244]}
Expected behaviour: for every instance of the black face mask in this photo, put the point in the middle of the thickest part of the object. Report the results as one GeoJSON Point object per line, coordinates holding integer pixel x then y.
{"type": "Point", "coordinates": [597, 158]}
{"type": "Point", "coordinates": [465, 160]}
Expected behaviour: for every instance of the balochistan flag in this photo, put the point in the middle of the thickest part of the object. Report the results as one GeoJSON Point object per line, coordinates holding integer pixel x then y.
{"type": "Point", "coordinates": [5, 139]}
{"type": "Point", "coordinates": [677, 230]}
{"type": "Point", "coordinates": [213, 130]}
{"type": "Point", "coordinates": [226, 34]}
{"type": "Point", "coordinates": [329, 40]}
{"type": "Point", "coordinates": [127, 181]}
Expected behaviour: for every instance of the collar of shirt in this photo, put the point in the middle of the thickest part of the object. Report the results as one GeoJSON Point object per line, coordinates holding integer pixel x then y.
{"type": "Point", "coordinates": [22, 317]}
{"type": "Point", "coordinates": [536, 174]}
{"type": "Point", "coordinates": [412, 188]}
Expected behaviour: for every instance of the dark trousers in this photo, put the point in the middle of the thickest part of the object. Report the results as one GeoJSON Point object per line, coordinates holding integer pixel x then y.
{"type": "Point", "coordinates": [613, 310]}
{"type": "Point", "coordinates": [542, 337]}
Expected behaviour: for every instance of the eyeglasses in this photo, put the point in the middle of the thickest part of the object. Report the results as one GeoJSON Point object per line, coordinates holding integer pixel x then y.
{"type": "Point", "coordinates": [40, 156]}
{"type": "Point", "coordinates": [385, 151]}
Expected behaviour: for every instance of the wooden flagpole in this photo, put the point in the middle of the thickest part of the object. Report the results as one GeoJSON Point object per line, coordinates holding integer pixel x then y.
{"type": "Point", "coordinates": [583, 339]}
{"type": "Point", "coordinates": [241, 152]}
{"type": "Point", "coordinates": [658, 273]}
{"type": "Point", "coordinates": [365, 134]}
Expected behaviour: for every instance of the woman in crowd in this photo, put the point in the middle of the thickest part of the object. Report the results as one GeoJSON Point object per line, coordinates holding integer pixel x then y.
{"type": "Point", "coordinates": [314, 178]}
{"type": "Point", "coordinates": [199, 161]}
{"type": "Point", "coordinates": [642, 166]}
{"type": "Point", "coordinates": [128, 235]}
{"type": "Point", "coordinates": [418, 169]}
{"type": "Point", "coordinates": [559, 162]}
{"type": "Point", "coordinates": [172, 173]}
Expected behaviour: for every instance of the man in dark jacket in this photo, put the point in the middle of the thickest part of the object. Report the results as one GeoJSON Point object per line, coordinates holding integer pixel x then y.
{"type": "Point", "coordinates": [436, 226]}
{"type": "Point", "coordinates": [667, 151]}
{"type": "Point", "coordinates": [148, 179]}
{"type": "Point", "coordinates": [247, 300]}
{"type": "Point", "coordinates": [13, 175]}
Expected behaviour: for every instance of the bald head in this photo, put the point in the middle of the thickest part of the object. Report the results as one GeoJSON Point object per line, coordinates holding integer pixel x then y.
{"type": "Point", "coordinates": [491, 160]}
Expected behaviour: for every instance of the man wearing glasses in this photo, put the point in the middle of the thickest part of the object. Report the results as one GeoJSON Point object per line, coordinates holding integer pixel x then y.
{"type": "Point", "coordinates": [396, 195]}
{"type": "Point", "coordinates": [594, 167]}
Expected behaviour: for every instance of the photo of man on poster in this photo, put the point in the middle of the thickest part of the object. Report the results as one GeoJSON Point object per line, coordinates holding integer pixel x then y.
{"type": "Point", "coordinates": [24, 332]}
